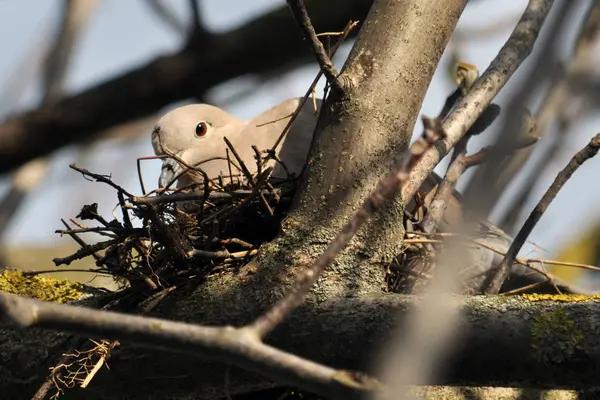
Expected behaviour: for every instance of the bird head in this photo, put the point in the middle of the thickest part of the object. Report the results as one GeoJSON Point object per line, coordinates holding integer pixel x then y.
{"type": "Point", "coordinates": [194, 134]}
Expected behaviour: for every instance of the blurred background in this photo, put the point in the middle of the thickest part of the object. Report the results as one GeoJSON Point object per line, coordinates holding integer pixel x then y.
{"type": "Point", "coordinates": [53, 50]}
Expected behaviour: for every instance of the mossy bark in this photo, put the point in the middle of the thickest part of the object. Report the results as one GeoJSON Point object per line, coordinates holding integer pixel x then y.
{"type": "Point", "coordinates": [499, 345]}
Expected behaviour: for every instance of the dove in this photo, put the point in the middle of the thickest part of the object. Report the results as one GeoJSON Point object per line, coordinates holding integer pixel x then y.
{"type": "Point", "coordinates": [194, 133]}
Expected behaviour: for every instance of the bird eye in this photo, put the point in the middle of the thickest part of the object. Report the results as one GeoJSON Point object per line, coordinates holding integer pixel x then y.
{"type": "Point", "coordinates": [201, 129]}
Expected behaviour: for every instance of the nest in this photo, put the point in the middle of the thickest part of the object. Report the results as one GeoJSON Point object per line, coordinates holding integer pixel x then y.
{"type": "Point", "coordinates": [181, 235]}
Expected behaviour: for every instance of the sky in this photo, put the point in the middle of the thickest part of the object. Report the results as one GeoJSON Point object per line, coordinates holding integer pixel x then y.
{"type": "Point", "coordinates": [123, 34]}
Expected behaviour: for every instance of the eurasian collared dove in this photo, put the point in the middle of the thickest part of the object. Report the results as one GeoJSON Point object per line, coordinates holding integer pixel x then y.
{"type": "Point", "coordinates": [194, 133]}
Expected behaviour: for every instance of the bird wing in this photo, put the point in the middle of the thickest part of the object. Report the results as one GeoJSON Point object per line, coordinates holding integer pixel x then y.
{"type": "Point", "coordinates": [265, 129]}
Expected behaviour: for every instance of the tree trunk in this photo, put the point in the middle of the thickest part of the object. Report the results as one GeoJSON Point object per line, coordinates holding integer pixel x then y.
{"type": "Point", "coordinates": [360, 135]}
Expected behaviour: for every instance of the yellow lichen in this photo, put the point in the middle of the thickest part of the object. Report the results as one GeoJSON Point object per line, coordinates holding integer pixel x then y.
{"type": "Point", "coordinates": [555, 337]}
{"type": "Point", "coordinates": [563, 298]}
{"type": "Point", "coordinates": [38, 287]}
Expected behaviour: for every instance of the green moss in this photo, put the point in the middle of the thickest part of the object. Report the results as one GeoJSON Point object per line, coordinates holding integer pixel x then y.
{"type": "Point", "coordinates": [38, 287]}
{"type": "Point", "coordinates": [563, 298]}
{"type": "Point", "coordinates": [554, 337]}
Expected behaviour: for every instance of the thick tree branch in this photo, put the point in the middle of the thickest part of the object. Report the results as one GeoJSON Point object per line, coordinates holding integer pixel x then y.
{"type": "Point", "coordinates": [555, 346]}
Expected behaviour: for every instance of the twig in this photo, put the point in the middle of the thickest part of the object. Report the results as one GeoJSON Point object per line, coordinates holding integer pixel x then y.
{"type": "Point", "coordinates": [261, 181]}
{"type": "Point", "coordinates": [564, 263]}
{"type": "Point", "coordinates": [522, 289]}
{"type": "Point", "coordinates": [385, 190]}
{"type": "Point", "coordinates": [77, 239]}
{"type": "Point", "coordinates": [84, 252]}
{"type": "Point", "coordinates": [248, 175]}
{"type": "Point", "coordinates": [578, 159]}
{"type": "Point", "coordinates": [179, 197]}
{"type": "Point", "coordinates": [271, 152]}
{"type": "Point", "coordinates": [560, 105]}
{"type": "Point", "coordinates": [499, 170]}
{"type": "Point", "coordinates": [93, 229]}
{"type": "Point", "coordinates": [237, 241]}
{"type": "Point", "coordinates": [195, 11]}
{"type": "Point", "coordinates": [166, 15]}
{"type": "Point", "coordinates": [222, 254]}
{"type": "Point", "coordinates": [124, 211]}
{"type": "Point", "coordinates": [139, 170]}
{"type": "Point", "coordinates": [51, 271]}
{"type": "Point", "coordinates": [100, 178]}
{"type": "Point", "coordinates": [303, 20]}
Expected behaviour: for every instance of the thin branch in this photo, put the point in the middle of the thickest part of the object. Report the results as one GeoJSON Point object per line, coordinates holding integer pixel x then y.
{"type": "Point", "coordinates": [248, 176]}
{"type": "Point", "coordinates": [349, 27]}
{"type": "Point", "coordinates": [100, 178]}
{"type": "Point", "coordinates": [499, 169]}
{"type": "Point", "coordinates": [195, 12]}
{"type": "Point", "coordinates": [84, 252]}
{"type": "Point", "coordinates": [166, 16]}
{"type": "Point", "coordinates": [79, 241]}
{"type": "Point", "coordinates": [578, 159]}
{"type": "Point", "coordinates": [468, 109]}
{"type": "Point", "coordinates": [562, 105]}
{"type": "Point", "coordinates": [180, 197]}
{"type": "Point", "coordinates": [303, 20]}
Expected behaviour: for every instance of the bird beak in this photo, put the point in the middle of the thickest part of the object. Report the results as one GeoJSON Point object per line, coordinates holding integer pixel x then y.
{"type": "Point", "coordinates": [169, 170]}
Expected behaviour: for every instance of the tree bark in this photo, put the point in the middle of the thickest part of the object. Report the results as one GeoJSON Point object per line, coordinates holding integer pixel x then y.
{"type": "Point", "coordinates": [506, 341]}
{"type": "Point", "coordinates": [361, 133]}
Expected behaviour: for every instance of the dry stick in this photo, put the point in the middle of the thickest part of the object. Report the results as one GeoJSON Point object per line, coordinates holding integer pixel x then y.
{"type": "Point", "coordinates": [195, 10]}
{"type": "Point", "coordinates": [93, 229]}
{"type": "Point", "coordinates": [502, 171]}
{"type": "Point", "coordinates": [139, 170]}
{"type": "Point", "coordinates": [260, 182]}
{"type": "Point", "coordinates": [229, 167]}
{"type": "Point", "coordinates": [179, 197]}
{"type": "Point", "coordinates": [578, 159]}
{"type": "Point", "coordinates": [99, 364]}
{"type": "Point", "coordinates": [51, 271]}
{"type": "Point", "coordinates": [249, 177]}
{"type": "Point", "coordinates": [187, 168]}
{"type": "Point", "coordinates": [100, 178]}
{"type": "Point", "coordinates": [524, 262]}
{"type": "Point", "coordinates": [84, 252]}
{"type": "Point", "coordinates": [301, 16]}
{"type": "Point", "coordinates": [563, 263]}
{"type": "Point", "coordinates": [258, 159]}
{"type": "Point", "coordinates": [215, 255]}
{"type": "Point", "coordinates": [77, 239]}
{"type": "Point", "coordinates": [351, 25]}
{"type": "Point", "coordinates": [524, 288]}
{"type": "Point", "coordinates": [239, 242]}
{"type": "Point", "coordinates": [126, 219]}
{"type": "Point", "coordinates": [385, 190]}
{"type": "Point", "coordinates": [166, 15]}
